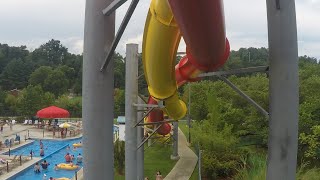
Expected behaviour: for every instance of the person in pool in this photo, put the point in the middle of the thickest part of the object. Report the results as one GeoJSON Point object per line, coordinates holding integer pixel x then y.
{"type": "Point", "coordinates": [72, 157]}
{"type": "Point", "coordinates": [79, 159]}
{"type": "Point", "coordinates": [56, 167]}
{"type": "Point", "coordinates": [41, 144]}
{"type": "Point", "coordinates": [36, 168]}
{"type": "Point", "coordinates": [41, 152]}
{"type": "Point", "coordinates": [67, 157]}
{"type": "Point", "coordinates": [44, 165]}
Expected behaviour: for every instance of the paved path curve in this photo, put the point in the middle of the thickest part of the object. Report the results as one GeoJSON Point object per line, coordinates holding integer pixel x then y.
{"type": "Point", "coordinates": [187, 162]}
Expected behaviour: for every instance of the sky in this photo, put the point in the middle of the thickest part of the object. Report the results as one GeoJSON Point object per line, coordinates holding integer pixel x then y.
{"type": "Point", "coordinates": [34, 22]}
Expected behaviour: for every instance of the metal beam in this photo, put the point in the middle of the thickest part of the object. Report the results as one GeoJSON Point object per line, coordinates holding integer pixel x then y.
{"type": "Point", "coordinates": [143, 98]}
{"type": "Point", "coordinates": [146, 139]}
{"type": "Point", "coordinates": [140, 151]}
{"type": "Point", "coordinates": [283, 90]}
{"type": "Point", "coordinates": [141, 75]}
{"type": "Point", "coordinates": [97, 91]}
{"type": "Point", "coordinates": [146, 105]}
{"type": "Point", "coordinates": [113, 6]}
{"type": "Point", "coordinates": [122, 27]}
{"type": "Point", "coordinates": [131, 94]}
{"type": "Point", "coordinates": [234, 87]}
{"type": "Point", "coordinates": [236, 71]}
{"type": "Point", "coordinates": [159, 122]}
{"type": "Point", "coordinates": [141, 118]}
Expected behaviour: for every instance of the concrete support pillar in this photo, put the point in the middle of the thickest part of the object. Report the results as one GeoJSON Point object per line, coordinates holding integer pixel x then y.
{"type": "Point", "coordinates": [284, 90]}
{"type": "Point", "coordinates": [97, 91]}
{"type": "Point", "coordinates": [131, 111]}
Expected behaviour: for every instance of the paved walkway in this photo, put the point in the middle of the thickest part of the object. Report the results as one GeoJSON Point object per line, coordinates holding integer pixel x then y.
{"type": "Point", "coordinates": [187, 162]}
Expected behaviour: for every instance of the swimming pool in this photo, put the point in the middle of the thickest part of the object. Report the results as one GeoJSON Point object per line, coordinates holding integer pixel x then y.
{"type": "Point", "coordinates": [54, 154]}
{"type": "Point", "coordinates": [55, 150]}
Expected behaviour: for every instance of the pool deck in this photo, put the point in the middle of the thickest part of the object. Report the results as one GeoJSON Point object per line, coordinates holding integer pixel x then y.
{"type": "Point", "coordinates": [79, 175]}
{"type": "Point", "coordinates": [27, 131]}
{"type": "Point", "coordinates": [20, 168]}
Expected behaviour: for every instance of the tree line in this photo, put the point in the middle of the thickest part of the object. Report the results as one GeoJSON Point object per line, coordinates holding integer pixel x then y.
{"type": "Point", "coordinates": [231, 132]}
{"type": "Point", "coordinates": [48, 75]}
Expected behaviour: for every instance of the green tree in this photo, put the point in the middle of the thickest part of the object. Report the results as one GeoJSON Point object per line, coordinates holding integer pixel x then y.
{"type": "Point", "coordinates": [52, 53]}
{"type": "Point", "coordinates": [39, 76]}
{"type": "Point", "coordinates": [69, 73]}
{"type": "Point", "coordinates": [56, 83]}
{"type": "Point", "coordinates": [119, 71]}
{"type": "Point", "coordinates": [119, 102]}
{"type": "Point", "coordinates": [221, 156]}
{"type": "Point", "coordinates": [32, 99]}
{"type": "Point", "coordinates": [73, 105]}
{"type": "Point", "coordinates": [15, 74]}
{"type": "Point", "coordinates": [11, 104]}
{"type": "Point", "coordinates": [119, 156]}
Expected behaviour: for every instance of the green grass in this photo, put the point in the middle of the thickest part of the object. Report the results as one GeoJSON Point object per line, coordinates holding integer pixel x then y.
{"type": "Point", "coordinates": [195, 174]}
{"type": "Point", "coordinates": [254, 168]}
{"type": "Point", "coordinates": [156, 158]}
{"type": "Point", "coordinates": [183, 125]}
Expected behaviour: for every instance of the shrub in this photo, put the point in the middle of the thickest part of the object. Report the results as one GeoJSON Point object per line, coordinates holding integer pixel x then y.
{"type": "Point", "coordinates": [119, 156]}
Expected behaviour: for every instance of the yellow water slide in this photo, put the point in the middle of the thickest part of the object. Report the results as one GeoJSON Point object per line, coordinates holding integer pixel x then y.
{"type": "Point", "coordinates": [160, 42]}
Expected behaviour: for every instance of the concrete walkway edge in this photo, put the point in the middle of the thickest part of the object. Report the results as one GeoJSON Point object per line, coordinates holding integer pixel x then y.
{"type": "Point", "coordinates": [187, 162]}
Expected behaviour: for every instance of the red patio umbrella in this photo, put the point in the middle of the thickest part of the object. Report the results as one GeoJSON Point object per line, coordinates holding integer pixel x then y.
{"type": "Point", "coordinates": [53, 112]}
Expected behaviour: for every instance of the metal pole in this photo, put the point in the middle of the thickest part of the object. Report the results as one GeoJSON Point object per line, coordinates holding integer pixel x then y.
{"type": "Point", "coordinates": [98, 103]}
{"type": "Point", "coordinates": [189, 114]}
{"type": "Point", "coordinates": [199, 163]}
{"type": "Point", "coordinates": [140, 151]}
{"type": "Point", "coordinates": [131, 93]}
{"type": "Point", "coordinates": [175, 155]}
{"type": "Point", "coordinates": [284, 90]}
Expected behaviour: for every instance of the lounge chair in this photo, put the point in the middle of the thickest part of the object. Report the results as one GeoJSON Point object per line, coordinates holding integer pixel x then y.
{"type": "Point", "coordinates": [30, 122]}
{"type": "Point", "coordinates": [36, 122]}
{"type": "Point", "coordinates": [26, 121]}
{"type": "Point", "coordinates": [13, 122]}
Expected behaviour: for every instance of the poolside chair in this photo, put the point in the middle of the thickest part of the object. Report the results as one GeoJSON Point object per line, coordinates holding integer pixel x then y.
{"type": "Point", "coordinates": [30, 122]}
{"type": "Point", "coordinates": [13, 122]}
{"type": "Point", "coordinates": [14, 158]}
{"type": "Point", "coordinates": [36, 122]}
{"type": "Point", "coordinates": [25, 122]}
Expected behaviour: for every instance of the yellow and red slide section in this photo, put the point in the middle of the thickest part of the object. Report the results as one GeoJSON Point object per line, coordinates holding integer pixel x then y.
{"type": "Point", "coordinates": [201, 24]}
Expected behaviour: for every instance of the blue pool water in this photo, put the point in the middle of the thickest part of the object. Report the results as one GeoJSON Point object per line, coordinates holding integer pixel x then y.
{"type": "Point", "coordinates": [59, 150]}
{"type": "Point", "coordinates": [50, 146]}
{"type": "Point", "coordinates": [55, 151]}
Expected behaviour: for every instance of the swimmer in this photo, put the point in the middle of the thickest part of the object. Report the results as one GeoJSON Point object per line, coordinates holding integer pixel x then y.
{"type": "Point", "coordinates": [36, 168]}
{"type": "Point", "coordinates": [56, 167]}
{"type": "Point", "coordinates": [41, 152]}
